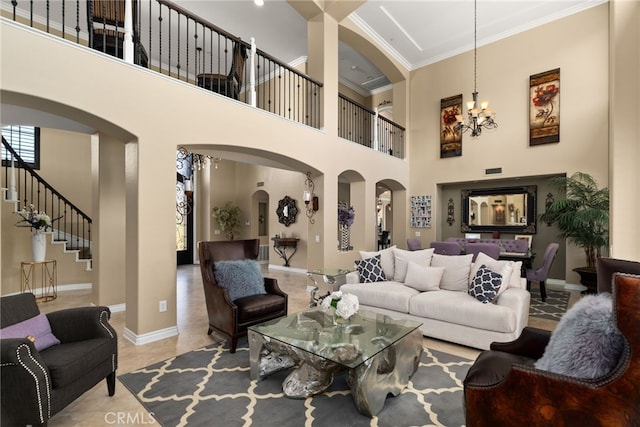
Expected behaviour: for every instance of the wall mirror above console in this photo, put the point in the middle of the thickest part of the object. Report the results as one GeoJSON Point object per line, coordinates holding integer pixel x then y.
{"type": "Point", "coordinates": [287, 211]}
{"type": "Point", "coordinates": [507, 209]}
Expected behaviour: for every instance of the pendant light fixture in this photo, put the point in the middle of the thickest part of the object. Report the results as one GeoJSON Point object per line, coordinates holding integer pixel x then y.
{"type": "Point", "coordinates": [479, 116]}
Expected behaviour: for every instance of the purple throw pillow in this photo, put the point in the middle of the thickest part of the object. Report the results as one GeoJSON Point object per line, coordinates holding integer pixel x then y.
{"type": "Point", "coordinates": [37, 327]}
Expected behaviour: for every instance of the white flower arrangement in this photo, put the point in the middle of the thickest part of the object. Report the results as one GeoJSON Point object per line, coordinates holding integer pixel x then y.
{"type": "Point", "coordinates": [34, 219]}
{"type": "Point", "coordinates": [346, 305]}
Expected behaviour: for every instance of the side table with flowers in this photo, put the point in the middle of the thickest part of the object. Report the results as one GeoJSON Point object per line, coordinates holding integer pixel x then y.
{"type": "Point", "coordinates": [344, 306]}
{"type": "Point", "coordinates": [39, 222]}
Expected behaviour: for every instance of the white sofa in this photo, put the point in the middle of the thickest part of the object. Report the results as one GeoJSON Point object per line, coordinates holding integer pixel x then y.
{"type": "Point", "coordinates": [434, 290]}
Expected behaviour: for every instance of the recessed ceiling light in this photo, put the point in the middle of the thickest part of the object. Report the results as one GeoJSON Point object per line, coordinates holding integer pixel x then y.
{"type": "Point", "coordinates": [259, 2]}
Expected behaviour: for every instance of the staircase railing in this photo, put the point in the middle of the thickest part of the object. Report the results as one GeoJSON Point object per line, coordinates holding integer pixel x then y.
{"type": "Point", "coordinates": [73, 225]}
{"type": "Point", "coordinates": [170, 40]}
{"type": "Point", "coordinates": [366, 127]}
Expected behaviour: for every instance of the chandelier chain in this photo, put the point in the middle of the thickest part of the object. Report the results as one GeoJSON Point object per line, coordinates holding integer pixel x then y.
{"type": "Point", "coordinates": [475, 45]}
{"type": "Point", "coordinates": [479, 116]}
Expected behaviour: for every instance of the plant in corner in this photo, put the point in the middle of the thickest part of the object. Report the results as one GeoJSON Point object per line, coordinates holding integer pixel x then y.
{"type": "Point", "coordinates": [583, 215]}
{"type": "Point", "coordinates": [228, 217]}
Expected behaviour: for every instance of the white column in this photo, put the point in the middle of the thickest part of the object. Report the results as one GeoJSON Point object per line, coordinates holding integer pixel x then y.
{"type": "Point", "coordinates": [252, 73]}
{"type": "Point", "coordinates": [127, 53]}
{"type": "Point", "coordinates": [13, 195]}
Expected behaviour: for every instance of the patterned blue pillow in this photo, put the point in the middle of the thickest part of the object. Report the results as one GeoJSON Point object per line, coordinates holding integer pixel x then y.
{"type": "Point", "coordinates": [242, 278]}
{"type": "Point", "coordinates": [370, 270]}
{"type": "Point", "coordinates": [485, 285]}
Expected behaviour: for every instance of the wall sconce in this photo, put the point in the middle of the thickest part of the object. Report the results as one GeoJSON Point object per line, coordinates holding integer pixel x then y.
{"type": "Point", "coordinates": [450, 212]}
{"type": "Point", "coordinates": [548, 201]}
{"type": "Point", "coordinates": [310, 198]}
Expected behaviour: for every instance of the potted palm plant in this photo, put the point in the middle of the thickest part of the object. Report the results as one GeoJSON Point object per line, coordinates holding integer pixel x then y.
{"type": "Point", "coordinates": [582, 217]}
{"type": "Point", "coordinates": [228, 217]}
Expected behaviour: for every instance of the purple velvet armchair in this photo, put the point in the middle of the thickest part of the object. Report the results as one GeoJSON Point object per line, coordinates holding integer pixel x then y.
{"type": "Point", "coordinates": [540, 274]}
{"type": "Point", "coordinates": [446, 248]}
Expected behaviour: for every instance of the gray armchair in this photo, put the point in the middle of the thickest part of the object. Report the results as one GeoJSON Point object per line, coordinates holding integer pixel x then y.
{"type": "Point", "coordinates": [38, 384]}
{"type": "Point", "coordinates": [540, 274]}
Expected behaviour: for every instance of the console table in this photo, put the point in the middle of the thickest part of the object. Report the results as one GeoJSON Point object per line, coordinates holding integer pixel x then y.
{"type": "Point", "coordinates": [283, 244]}
{"type": "Point", "coordinates": [48, 273]}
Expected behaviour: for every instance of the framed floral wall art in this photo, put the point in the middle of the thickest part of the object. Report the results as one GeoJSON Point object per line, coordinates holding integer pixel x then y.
{"type": "Point", "coordinates": [544, 107]}
{"type": "Point", "coordinates": [450, 135]}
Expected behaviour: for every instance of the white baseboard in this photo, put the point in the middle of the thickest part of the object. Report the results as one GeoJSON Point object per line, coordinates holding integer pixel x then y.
{"type": "Point", "coordinates": [150, 337]}
{"type": "Point", "coordinates": [566, 286]}
{"type": "Point", "coordinates": [61, 288]}
{"type": "Point", "coordinates": [289, 269]}
{"type": "Point", "coordinates": [76, 287]}
{"type": "Point", "coordinates": [118, 308]}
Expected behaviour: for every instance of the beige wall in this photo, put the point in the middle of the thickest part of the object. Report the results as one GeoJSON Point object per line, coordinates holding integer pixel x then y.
{"type": "Point", "coordinates": [65, 164]}
{"type": "Point", "coordinates": [169, 113]}
{"type": "Point", "coordinates": [624, 130]}
{"type": "Point", "coordinates": [571, 44]}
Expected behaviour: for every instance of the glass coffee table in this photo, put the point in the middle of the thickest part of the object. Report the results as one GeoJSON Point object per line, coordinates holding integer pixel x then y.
{"type": "Point", "coordinates": [379, 354]}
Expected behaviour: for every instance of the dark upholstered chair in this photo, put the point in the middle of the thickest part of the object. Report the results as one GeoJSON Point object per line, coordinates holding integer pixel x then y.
{"type": "Point", "coordinates": [490, 249]}
{"type": "Point", "coordinates": [231, 318]}
{"type": "Point", "coordinates": [540, 274]}
{"type": "Point", "coordinates": [36, 385]}
{"type": "Point", "coordinates": [446, 248]}
{"type": "Point", "coordinates": [503, 388]}
{"type": "Point", "coordinates": [414, 244]}
{"type": "Point", "coordinates": [231, 84]}
{"type": "Point", "coordinates": [383, 240]}
{"type": "Point", "coordinates": [105, 24]}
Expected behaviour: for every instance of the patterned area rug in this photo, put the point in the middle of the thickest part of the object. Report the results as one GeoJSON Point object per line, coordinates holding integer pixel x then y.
{"type": "Point", "coordinates": [553, 308]}
{"type": "Point", "coordinates": [211, 386]}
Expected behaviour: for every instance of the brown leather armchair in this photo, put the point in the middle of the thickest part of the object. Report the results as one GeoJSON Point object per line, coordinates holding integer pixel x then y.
{"type": "Point", "coordinates": [503, 388]}
{"type": "Point", "coordinates": [231, 318]}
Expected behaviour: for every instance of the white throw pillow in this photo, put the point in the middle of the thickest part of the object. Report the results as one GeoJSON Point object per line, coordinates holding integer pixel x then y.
{"type": "Point", "coordinates": [422, 277]}
{"type": "Point", "coordinates": [504, 268]}
{"type": "Point", "coordinates": [456, 271]}
{"type": "Point", "coordinates": [402, 258]}
{"type": "Point", "coordinates": [386, 260]}
{"type": "Point", "coordinates": [516, 275]}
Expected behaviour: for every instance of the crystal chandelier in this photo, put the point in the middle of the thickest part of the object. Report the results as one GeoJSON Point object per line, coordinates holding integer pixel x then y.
{"type": "Point", "coordinates": [479, 116]}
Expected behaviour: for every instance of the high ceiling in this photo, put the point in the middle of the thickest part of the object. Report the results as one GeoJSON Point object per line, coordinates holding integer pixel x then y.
{"type": "Point", "coordinates": [415, 32]}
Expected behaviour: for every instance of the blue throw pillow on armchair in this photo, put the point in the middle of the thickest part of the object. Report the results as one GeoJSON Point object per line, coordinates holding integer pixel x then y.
{"type": "Point", "coordinates": [242, 278]}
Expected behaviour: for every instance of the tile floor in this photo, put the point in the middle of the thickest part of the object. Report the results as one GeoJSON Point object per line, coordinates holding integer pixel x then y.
{"type": "Point", "coordinates": [95, 408]}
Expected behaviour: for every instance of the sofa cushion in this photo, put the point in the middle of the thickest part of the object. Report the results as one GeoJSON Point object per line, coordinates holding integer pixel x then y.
{"type": "Point", "coordinates": [37, 327]}
{"type": "Point", "coordinates": [463, 309]}
{"type": "Point", "coordinates": [504, 268]}
{"type": "Point", "coordinates": [516, 276]}
{"type": "Point", "coordinates": [402, 258]}
{"type": "Point", "coordinates": [386, 260]}
{"type": "Point", "coordinates": [242, 278]}
{"type": "Point", "coordinates": [370, 270]}
{"type": "Point", "coordinates": [456, 271]}
{"type": "Point", "coordinates": [485, 284]}
{"type": "Point", "coordinates": [390, 295]}
{"type": "Point", "coordinates": [422, 277]}
{"type": "Point", "coordinates": [586, 343]}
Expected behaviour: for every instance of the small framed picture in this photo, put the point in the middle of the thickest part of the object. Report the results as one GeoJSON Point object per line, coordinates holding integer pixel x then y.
{"type": "Point", "coordinates": [526, 237]}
